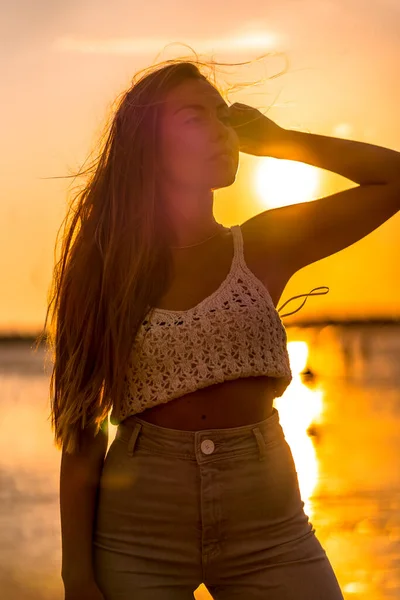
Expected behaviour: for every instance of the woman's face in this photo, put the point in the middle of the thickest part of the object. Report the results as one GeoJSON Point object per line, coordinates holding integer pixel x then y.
{"type": "Point", "coordinates": [194, 128]}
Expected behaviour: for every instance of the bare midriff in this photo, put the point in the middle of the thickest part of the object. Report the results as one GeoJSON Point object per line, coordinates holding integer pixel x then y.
{"type": "Point", "coordinates": [232, 403]}
{"type": "Point", "coordinates": [229, 404]}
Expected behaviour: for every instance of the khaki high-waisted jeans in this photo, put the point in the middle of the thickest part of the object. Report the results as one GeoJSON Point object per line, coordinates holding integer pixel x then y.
{"type": "Point", "coordinates": [218, 506]}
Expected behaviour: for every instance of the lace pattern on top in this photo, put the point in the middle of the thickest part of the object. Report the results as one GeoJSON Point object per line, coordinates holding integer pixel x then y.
{"type": "Point", "coordinates": [234, 332]}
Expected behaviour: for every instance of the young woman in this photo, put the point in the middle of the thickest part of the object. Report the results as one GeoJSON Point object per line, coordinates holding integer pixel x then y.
{"type": "Point", "coordinates": [168, 319]}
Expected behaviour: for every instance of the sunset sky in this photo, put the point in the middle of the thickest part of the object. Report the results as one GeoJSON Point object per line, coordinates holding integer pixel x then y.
{"type": "Point", "coordinates": [63, 65]}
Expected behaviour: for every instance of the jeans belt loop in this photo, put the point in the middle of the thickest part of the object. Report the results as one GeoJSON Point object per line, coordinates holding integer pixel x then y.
{"type": "Point", "coordinates": [260, 442]}
{"type": "Point", "coordinates": [133, 438]}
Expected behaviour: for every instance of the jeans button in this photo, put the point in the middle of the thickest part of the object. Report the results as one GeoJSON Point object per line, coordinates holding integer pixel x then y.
{"type": "Point", "coordinates": [207, 446]}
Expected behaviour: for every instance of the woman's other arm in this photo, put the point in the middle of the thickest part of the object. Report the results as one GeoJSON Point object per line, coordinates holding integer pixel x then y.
{"type": "Point", "coordinates": [79, 481]}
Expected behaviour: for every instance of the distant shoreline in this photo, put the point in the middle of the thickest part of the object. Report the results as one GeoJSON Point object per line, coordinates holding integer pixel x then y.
{"type": "Point", "coordinates": [6, 338]}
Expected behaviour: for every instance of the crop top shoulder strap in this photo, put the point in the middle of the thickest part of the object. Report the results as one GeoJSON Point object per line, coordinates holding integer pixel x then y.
{"type": "Point", "coordinates": [239, 258]}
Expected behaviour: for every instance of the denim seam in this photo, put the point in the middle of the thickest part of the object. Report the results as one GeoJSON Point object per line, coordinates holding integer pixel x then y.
{"type": "Point", "coordinates": [156, 452]}
{"type": "Point", "coordinates": [191, 457]}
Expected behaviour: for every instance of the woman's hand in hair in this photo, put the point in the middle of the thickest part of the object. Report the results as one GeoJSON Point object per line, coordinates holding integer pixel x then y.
{"type": "Point", "coordinates": [256, 132]}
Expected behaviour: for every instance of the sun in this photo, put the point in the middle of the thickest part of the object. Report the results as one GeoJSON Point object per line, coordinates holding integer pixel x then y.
{"type": "Point", "coordinates": [283, 182]}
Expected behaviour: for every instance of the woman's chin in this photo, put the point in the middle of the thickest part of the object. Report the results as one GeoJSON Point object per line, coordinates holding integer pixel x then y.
{"type": "Point", "coordinates": [223, 178]}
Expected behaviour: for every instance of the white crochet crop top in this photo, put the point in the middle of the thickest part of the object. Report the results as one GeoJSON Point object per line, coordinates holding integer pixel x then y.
{"type": "Point", "coordinates": [235, 332]}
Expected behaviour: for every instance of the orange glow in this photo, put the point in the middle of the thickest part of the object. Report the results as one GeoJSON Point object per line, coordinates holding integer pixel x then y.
{"type": "Point", "coordinates": [298, 408]}
{"type": "Point", "coordinates": [284, 182]}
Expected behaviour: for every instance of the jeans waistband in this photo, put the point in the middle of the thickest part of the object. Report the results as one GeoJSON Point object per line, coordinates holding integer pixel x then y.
{"type": "Point", "coordinates": [207, 444]}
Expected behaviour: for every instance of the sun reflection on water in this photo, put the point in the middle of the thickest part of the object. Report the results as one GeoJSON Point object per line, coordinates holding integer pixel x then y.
{"type": "Point", "coordinates": [300, 407]}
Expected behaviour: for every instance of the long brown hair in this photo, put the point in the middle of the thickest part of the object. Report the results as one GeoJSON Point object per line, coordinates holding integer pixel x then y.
{"type": "Point", "coordinates": [115, 260]}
